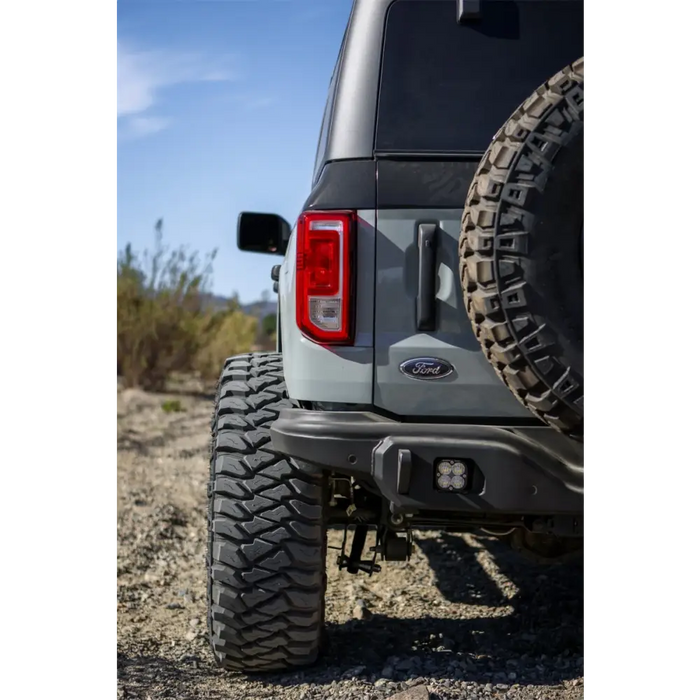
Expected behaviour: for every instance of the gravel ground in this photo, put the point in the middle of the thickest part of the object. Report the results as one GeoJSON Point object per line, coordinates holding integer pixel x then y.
{"type": "Point", "coordinates": [465, 618]}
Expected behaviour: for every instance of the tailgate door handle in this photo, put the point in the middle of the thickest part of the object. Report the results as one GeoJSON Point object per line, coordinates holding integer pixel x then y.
{"type": "Point", "coordinates": [425, 301]}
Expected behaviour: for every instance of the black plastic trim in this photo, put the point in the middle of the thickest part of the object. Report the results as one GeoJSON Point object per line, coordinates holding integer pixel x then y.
{"type": "Point", "coordinates": [522, 470]}
{"type": "Point", "coordinates": [424, 183]}
{"type": "Point", "coordinates": [468, 10]}
{"type": "Point", "coordinates": [344, 184]}
{"type": "Point", "coordinates": [430, 155]}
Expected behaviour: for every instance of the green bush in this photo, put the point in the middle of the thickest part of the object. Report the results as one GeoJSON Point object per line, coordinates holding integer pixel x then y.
{"type": "Point", "coordinates": [164, 323]}
{"type": "Point", "coordinates": [269, 325]}
{"type": "Point", "coordinates": [172, 406]}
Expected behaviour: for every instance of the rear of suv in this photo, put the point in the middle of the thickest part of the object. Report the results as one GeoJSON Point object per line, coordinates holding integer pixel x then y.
{"type": "Point", "coordinates": [381, 410]}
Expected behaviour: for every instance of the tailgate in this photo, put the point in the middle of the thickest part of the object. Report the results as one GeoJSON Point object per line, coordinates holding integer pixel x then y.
{"type": "Point", "coordinates": [445, 89]}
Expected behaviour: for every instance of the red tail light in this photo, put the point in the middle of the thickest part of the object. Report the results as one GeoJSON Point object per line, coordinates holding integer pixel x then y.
{"type": "Point", "coordinates": [325, 244]}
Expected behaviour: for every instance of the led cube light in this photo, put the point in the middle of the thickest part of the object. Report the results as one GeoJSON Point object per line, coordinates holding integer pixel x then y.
{"type": "Point", "coordinates": [445, 468]}
{"type": "Point", "coordinates": [451, 475]}
{"type": "Point", "coordinates": [458, 483]}
{"type": "Point", "coordinates": [444, 481]}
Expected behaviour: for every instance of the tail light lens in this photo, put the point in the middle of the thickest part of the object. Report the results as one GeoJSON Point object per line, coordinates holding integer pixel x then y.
{"type": "Point", "coordinates": [325, 245]}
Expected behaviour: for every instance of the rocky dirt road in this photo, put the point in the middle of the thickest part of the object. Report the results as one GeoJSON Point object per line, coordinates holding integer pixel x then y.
{"type": "Point", "coordinates": [466, 618]}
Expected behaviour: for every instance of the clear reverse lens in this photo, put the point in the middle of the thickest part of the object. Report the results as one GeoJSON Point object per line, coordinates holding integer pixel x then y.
{"type": "Point", "coordinates": [325, 313]}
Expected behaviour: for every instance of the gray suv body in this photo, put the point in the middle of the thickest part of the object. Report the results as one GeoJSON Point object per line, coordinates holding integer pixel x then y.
{"type": "Point", "coordinates": [419, 89]}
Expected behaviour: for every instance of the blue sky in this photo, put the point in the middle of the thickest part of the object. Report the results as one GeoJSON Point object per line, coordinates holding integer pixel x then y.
{"type": "Point", "coordinates": [219, 109]}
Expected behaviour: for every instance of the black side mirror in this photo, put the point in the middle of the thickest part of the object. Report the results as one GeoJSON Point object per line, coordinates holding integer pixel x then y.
{"type": "Point", "coordinates": [263, 233]}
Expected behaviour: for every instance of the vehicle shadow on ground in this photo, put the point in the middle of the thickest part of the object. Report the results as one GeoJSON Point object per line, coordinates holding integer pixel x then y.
{"type": "Point", "coordinates": [535, 634]}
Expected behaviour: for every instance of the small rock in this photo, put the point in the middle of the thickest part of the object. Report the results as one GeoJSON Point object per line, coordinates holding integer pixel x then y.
{"type": "Point", "coordinates": [404, 664]}
{"type": "Point", "coordinates": [174, 606]}
{"type": "Point", "coordinates": [191, 636]}
{"type": "Point", "coordinates": [388, 672]}
{"type": "Point", "coordinates": [380, 682]}
{"type": "Point", "coordinates": [361, 613]}
{"type": "Point", "coordinates": [512, 676]}
{"type": "Point", "coordinates": [417, 692]}
{"type": "Point", "coordinates": [194, 622]}
{"type": "Point", "coordinates": [354, 672]}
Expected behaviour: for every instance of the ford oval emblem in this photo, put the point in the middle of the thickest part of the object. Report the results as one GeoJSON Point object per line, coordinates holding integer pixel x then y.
{"type": "Point", "coordinates": [426, 368]}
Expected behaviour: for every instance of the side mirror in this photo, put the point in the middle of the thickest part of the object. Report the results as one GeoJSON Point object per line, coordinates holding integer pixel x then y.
{"type": "Point", "coordinates": [263, 233]}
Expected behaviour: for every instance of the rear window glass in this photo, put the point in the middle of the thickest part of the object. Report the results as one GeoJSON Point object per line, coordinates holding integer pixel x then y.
{"type": "Point", "coordinates": [448, 87]}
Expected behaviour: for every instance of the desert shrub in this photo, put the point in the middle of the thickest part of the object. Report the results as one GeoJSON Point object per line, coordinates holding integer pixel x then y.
{"type": "Point", "coordinates": [233, 332]}
{"type": "Point", "coordinates": [164, 323]}
{"type": "Point", "coordinates": [269, 325]}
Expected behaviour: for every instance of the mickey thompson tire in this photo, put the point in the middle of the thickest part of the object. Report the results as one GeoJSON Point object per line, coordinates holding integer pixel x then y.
{"type": "Point", "coordinates": [267, 539]}
{"type": "Point", "coordinates": [521, 252]}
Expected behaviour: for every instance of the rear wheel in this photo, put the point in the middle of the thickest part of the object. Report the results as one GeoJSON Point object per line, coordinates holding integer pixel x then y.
{"type": "Point", "coordinates": [267, 538]}
{"type": "Point", "coordinates": [521, 248]}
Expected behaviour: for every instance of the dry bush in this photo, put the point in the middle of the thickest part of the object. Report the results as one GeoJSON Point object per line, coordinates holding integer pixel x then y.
{"type": "Point", "coordinates": [234, 333]}
{"type": "Point", "coordinates": [164, 324]}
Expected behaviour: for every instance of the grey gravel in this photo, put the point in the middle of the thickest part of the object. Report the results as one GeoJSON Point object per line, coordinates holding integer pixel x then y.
{"type": "Point", "coordinates": [466, 618]}
{"type": "Point", "coordinates": [418, 692]}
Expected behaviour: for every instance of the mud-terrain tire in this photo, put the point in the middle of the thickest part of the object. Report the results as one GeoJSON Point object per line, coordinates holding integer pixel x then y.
{"type": "Point", "coordinates": [267, 538]}
{"type": "Point", "coordinates": [521, 252]}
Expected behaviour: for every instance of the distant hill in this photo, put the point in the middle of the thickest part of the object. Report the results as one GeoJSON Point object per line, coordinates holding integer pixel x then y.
{"type": "Point", "coordinates": [259, 309]}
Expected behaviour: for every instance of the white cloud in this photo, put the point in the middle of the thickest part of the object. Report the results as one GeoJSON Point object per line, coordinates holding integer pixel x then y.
{"type": "Point", "coordinates": [137, 126]}
{"type": "Point", "coordinates": [143, 75]}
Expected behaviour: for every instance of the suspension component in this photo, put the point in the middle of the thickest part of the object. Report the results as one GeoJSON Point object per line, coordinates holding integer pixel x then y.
{"type": "Point", "coordinates": [393, 546]}
{"type": "Point", "coordinates": [354, 563]}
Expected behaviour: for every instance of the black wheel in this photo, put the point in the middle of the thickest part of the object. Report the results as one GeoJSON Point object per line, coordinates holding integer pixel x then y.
{"type": "Point", "coordinates": [267, 538]}
{"type": "Point", "coordinates": [521, 245]}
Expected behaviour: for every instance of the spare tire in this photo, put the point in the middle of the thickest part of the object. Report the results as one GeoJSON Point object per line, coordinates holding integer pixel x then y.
{"type": "Point", "coordinates": [521, 252]}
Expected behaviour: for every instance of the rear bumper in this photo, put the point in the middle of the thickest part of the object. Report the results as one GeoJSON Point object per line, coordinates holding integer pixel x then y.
{"type": "Point", "coordinates": [531, 470]}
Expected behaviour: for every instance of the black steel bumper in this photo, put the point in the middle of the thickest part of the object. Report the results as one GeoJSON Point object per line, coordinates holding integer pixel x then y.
{"type": "Point", "coordinates": [528, 470]}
